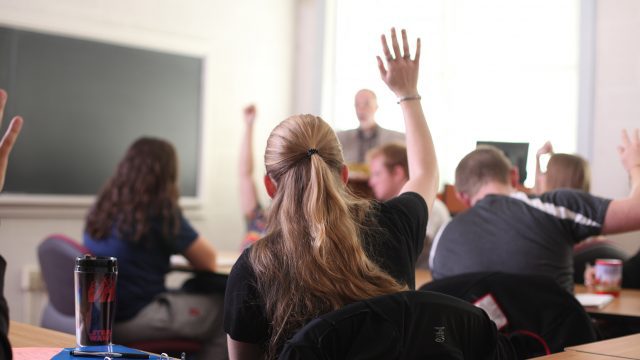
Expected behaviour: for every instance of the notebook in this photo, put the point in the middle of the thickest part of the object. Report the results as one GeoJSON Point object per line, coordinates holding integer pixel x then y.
{"type": "Point", "coordinates": [597, 301]}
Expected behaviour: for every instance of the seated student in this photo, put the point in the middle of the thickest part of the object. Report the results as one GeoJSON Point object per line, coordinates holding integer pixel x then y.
{"type": "Point", "coordinates": [254, 213]}
{"type": "Point", "coordinates": [563, 171]}
{"type": "Point", "coordinates": [508, 231]}
{"type": "Point", "coordinates": [356, 142]}
{"type": "Point", "coordinates": [6, 144]}
{"type": "Point", "coordinates": [137, 219]}
{"type": "Point", "coordinates": [325, 248]}
{"type": "Point", "coordinates": [388, 172]}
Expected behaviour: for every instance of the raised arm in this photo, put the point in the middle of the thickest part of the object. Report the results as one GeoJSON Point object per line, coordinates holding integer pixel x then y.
{"type": "Point", "coordinates": [9, 138]}
{"type": "Point", "coordinates": [248, 194]}
{"type": "Point", "coordinates": [624, 214]}
{"type": "Point", "coordinates": [401, 76]}
{"type": "Point", "coordinates": [540, 184]}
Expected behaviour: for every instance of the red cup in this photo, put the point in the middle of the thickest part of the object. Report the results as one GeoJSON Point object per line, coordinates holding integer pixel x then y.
{"type": "Point", "coordinates": [608, 276]}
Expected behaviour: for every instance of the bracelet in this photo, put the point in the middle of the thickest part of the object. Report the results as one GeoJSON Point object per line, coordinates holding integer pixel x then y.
{"type": "Point", "coordinates": [407, 98]}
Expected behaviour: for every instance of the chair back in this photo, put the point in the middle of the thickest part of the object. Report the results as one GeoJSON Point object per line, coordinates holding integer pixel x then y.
{"type": "Point", "coordinates": [590, 250]}
{"type": "Point", "coordinates": [524, 304]}
{"type": "Point", "coordinates": [405, 325]}
{"type": "Point", "coordinates": [56, 255]}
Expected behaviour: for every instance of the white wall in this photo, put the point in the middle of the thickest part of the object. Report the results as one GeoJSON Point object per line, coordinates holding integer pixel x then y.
{"type": "Point", "coordinates": [248, 49]}
{"type": "Point", "coordinates": [617, 97]}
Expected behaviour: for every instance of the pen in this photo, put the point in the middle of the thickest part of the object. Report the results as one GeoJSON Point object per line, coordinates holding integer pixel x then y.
{"type": "Point", "coordinates": [120, 355]}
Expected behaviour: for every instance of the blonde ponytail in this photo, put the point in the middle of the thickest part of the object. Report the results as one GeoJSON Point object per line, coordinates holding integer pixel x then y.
{"type": "Point", "coordinates": [312, 260]}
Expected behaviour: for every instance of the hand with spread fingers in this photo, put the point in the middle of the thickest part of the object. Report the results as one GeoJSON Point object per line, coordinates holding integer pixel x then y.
{"type": "Point", "coordinates": [9, 138]}
{"type": "Point", "coordinates": [401, 72]}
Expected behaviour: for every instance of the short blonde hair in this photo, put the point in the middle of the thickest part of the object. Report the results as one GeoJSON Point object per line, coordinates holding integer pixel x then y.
{"type": "Point", "coordinates": [484, 164]}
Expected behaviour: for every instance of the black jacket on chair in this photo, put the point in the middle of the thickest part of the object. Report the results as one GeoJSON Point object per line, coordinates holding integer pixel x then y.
{"type": "Point", "coordinates": [531, 304]}
{"type": "Point", "coordinates": [405, 325]}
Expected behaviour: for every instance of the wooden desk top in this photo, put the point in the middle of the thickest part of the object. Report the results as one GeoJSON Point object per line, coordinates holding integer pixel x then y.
{"type": "Point", "coordinates": [627, 347]}
{"type": "Point", "coordinates": [627, 304]}
{"type": "Point", "coordinates": [574, 355]}
{"type": "Point", "coordinates": [25, 335]}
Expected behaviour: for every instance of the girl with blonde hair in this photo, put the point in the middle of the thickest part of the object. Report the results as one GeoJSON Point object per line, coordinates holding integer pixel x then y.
{"type": "Point", "coordinates": [325, 248]}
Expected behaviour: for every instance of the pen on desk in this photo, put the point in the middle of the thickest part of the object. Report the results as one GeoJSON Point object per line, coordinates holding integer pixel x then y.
{"type": "Point", "coordinates": [120, 355]}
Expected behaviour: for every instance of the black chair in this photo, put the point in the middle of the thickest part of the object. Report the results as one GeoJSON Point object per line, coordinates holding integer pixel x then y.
{"type": "Point", "coordinates": [524, 306]}
{"type": "Point", "coordinates": [405, 325]}
{"type": "Point", "coordinates": [590, 250]}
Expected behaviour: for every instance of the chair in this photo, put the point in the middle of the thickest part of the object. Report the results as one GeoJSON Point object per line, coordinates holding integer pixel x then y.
{"type": "Point", "coordinates": [527, 305]}
{"type": "Point", "coordinates": [56, 255]}
{"type": "Point", "coordinates": [405, 325]}
{"type": "Point", "coordinates": [590, 250]}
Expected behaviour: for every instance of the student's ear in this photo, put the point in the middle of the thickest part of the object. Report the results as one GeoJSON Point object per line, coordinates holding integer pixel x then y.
{"type": "Point", "coordinates": [344, 174]}
{"type": "Point", "coordinates": [464, 198]}
{"type": "Point", "coordinates": [514, 177]}
{"type": "Point", "coordinates": [270, 186]}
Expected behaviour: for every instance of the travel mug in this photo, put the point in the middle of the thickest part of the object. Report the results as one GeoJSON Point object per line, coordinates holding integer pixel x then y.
{"type": "Point", "coordinates": [95, 300]}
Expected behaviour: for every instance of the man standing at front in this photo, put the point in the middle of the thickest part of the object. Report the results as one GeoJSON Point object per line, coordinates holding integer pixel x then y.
{"type": "Point", "coordinates": [355, 143]}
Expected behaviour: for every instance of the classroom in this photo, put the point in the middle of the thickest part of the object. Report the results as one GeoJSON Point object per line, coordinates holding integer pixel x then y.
{"type": "Point", "coordinates": [282, 55]}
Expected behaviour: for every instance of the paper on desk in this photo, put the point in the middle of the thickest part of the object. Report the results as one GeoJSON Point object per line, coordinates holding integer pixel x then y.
{"type": "Point", "coordinates": [594, 300]}
{"type": "Point", "coordinates": [34, 353]}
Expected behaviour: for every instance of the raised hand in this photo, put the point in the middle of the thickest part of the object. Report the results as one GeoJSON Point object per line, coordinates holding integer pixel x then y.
{"type": "Point", "coordinates": [547, 148]}
{"type": "Point", "coordinates": [629, 150]}
{"type": "Point", "coordinates": [401, 72]}
{"type": "Point", "coordinates": [9, 138]}
{"type": "Point", "coordinates": [249, 115]}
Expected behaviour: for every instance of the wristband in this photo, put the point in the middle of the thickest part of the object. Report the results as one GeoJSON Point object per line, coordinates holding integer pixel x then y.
{"type": "Point", "coordinates": [407, 98]}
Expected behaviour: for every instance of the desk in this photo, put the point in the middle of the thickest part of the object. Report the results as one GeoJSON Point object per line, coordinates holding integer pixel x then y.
{"type": "Point", "coordinates": [627, 304]}
{"type": "Point", "coordinates": [627, 347]}
{"type": "Point", "coordinates": [574, 355]}
{"type": "Point", "coordinates": [224, 261]}
{"type": "Point", "coordinates": [25, 335]}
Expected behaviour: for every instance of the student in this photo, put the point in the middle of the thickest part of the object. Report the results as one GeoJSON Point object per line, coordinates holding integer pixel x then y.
{"type": "Point", "coordinates": [506, 230]}
{"type": "Point", "coordinates": [324, 248]}
{"type": "Point", "coordinates": [356, 142]}
{"type": "Point", "coordinates": [389, 171]}
{"type": "Point", "coordinates": [137, 219]}
{"type": "Point", "coordinates": [6, 145]}
{"type": "Point", "coordinates": [563, 171]}
{"type": "Point", "coordinates": [254, 213]}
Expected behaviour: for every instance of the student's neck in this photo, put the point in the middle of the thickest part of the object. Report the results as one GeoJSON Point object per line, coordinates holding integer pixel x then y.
{"type": "Point", "coordinates": [492, 188]}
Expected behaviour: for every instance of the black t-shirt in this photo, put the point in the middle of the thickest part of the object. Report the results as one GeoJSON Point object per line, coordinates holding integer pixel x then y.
{"type": "Point", "coordinates": [519, 234]}
{"type": "Point", "coordinates": [403, 222]}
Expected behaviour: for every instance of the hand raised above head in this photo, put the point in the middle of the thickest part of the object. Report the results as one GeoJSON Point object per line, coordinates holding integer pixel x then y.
{"type": "Point", "coordinates": [401, 72]}
{"type": "Point", "coordinates": [547, 148]}
{"type": "Point", "coordinates": [9, 138]}
{"type": "Point", "coordinates": [629, 150]}
{"type": "Point", "coordinates": [249, 114]}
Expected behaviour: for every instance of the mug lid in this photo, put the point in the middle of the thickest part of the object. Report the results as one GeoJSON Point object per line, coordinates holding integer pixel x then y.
{"type": "Point", "coordinates": [104, 263]}
{"type": "Point", "coordinates": [608, 261]}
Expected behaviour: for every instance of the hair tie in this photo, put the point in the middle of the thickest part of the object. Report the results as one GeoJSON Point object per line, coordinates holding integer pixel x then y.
{"type": "Point", "coordinates": [311, 152]}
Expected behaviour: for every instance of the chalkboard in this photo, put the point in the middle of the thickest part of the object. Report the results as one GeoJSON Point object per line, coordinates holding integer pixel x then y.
{"type": "Point", "coordinates": [84, 102]}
